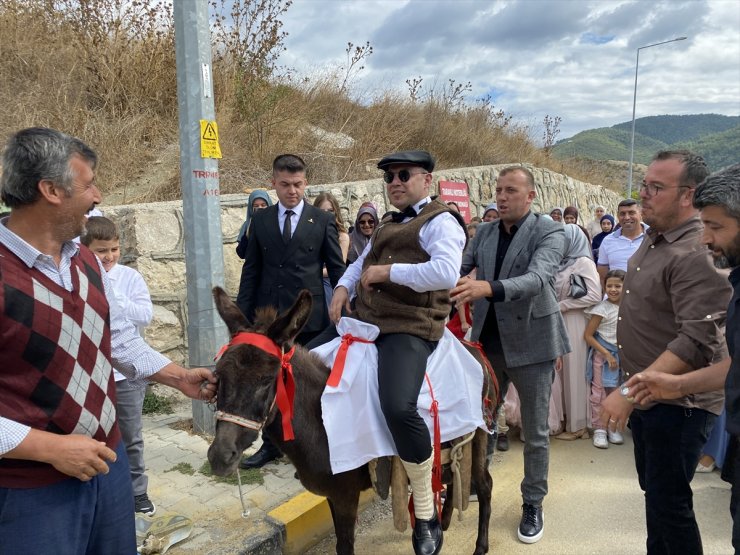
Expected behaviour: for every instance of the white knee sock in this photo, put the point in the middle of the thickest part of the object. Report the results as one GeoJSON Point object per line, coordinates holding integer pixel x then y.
{"type": "Point", "coordinates": [420, 478]}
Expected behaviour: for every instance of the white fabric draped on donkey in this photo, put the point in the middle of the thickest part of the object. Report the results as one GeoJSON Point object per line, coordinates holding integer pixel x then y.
{"type": "Point", "coordinates": [351, 412]}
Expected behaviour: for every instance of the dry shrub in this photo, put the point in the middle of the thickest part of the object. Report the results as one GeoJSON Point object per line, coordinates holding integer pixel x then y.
{"type": "Point", "coordinates": [104, 70]}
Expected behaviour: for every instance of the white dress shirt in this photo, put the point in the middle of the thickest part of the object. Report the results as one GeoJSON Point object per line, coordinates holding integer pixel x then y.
{"type": "Point", "coordinates": [133, 296]}
{"type": "Point", "coordinates": [297, 211]}
{"type": "Point", "coordinates": [442, 237]}
{"type": "Point", "coordinates": [129, 352]}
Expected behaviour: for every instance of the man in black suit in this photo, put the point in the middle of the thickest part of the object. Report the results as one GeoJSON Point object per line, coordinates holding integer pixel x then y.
{"type": "Point", "coordinates": [289, 246]}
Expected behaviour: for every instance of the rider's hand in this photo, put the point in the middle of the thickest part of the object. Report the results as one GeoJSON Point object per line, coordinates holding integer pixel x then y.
{"type": "Point", "coordinates": [339, 300]}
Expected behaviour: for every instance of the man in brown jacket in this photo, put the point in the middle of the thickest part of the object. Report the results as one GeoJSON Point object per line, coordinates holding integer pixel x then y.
{"type": "Point", "coordinates": [670, 320]}
{"type": "Point", "coordinates": [402, 282]}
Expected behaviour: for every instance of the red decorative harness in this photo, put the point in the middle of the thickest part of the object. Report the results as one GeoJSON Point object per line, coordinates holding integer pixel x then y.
{"type": "Point", "coordinates": [337, 368]}
{"type": "Point", "coordinates": [285, 384]}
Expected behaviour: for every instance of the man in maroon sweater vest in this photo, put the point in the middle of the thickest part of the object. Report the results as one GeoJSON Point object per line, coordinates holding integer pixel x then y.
{"type": "Point", "coordinates": [64, 478]}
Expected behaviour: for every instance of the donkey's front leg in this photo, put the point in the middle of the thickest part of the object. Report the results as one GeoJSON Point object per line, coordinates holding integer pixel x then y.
{"type": "Point", "coordinates": [344, 514]}
{"type": "Point", "coordinates": [483, 486]}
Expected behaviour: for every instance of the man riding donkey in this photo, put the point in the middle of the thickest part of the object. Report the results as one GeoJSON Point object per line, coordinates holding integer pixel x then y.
{"type": "Point", "coordinates": [401, 282]}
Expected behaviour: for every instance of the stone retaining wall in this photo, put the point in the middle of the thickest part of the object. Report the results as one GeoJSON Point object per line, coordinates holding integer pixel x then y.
{"type": "Point", "coordinates": [152, 235]}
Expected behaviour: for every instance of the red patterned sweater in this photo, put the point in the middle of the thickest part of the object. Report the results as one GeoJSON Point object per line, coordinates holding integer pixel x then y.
{"type": "Point", "coordinates": [55, 353]}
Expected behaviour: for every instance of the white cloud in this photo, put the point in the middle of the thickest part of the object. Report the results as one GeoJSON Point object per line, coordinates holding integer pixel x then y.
{"type": "Point", "coordinates": [574, 59]}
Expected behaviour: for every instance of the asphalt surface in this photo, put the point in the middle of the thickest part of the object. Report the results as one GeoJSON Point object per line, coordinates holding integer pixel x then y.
{"type": "Point", "coordinates": [594, 504]}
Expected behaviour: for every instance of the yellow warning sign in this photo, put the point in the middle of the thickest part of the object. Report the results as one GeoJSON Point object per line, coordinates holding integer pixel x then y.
{"type": "Point", "coordinates": [209, 147]}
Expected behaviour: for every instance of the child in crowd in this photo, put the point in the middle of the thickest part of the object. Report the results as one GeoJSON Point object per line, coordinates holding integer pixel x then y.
{"type": "Point", "coordinates": [602, 365]}
{"type": "Point", "coordinates": [133, 297]}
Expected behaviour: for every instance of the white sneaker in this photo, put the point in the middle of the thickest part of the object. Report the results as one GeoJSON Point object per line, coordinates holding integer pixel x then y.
{"type": "Point", "coordinates": [615, 437]}
{"type": "Point", "coordinates": [600, 440]}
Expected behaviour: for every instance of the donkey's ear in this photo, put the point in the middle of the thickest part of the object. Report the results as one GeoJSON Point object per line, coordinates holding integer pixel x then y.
{"type": "Point", "coordinates": [229, 312]}
{"type": "Point", "coordinates": [289, 324]}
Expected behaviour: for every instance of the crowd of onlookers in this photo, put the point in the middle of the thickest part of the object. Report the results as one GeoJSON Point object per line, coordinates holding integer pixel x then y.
{"type": "Point", "coordinates": [588, 291]}
{"type": "Point", "coordinates": [588, 286]}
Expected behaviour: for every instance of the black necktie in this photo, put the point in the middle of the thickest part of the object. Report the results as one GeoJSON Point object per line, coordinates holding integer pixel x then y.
{"type": "Point", "coordinates": [287, 226]}
{"type": "Point", "coordinates": [407, 212]}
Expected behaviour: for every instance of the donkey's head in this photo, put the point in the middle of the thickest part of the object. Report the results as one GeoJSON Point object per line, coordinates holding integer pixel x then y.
{"type": "Point", "coordinates": [247, 374]}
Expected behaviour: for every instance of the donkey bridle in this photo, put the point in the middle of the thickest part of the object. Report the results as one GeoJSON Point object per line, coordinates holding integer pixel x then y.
{"type": "Point", "coordinates": [283, 397]}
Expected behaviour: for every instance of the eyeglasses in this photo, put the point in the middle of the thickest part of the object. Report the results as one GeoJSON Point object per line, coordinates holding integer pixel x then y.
{"type": "Point", "coordinates": [403, 175]}
{"type": "Point", "coordinates": [651, 189]}
{"type": "Point", "coordinates": [366, 223]}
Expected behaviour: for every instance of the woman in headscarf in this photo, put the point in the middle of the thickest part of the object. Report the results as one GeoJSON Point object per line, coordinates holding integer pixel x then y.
{"type": "Point", "coordinates": [570, 216]}
{"type": "Point", "coordinates": [594, 226]}
{"type": "Point", "coordinates": [258, 199]}
{"type": "Point", "coordinates": [607, 226]}
{"type": "Point", "coordinates": [491, 212]}
{"type": "Point", "coordinates": [577, 261]}
{"type": "Point", "coordinates": [365, 224]}
{"type": "Point", "coordinates": [557, 214]}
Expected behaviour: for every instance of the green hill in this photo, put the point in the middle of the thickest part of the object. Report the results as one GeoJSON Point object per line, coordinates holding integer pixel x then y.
{"type": "Point", "coordinates": [719, 149]}
{"type": "Point", "coordinates": [715, 137]}
{"type": "Point", "coordinates": [678, 129]}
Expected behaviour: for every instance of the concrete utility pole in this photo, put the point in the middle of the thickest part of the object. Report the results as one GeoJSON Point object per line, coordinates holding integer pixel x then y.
{"type": "Point", "coordinates": [204, 262]}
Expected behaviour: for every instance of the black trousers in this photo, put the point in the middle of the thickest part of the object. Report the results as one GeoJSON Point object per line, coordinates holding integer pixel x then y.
{"type": "Point", "coordinates": [402, 363]}
{"type": "Point", "coordinates": [668, 442]}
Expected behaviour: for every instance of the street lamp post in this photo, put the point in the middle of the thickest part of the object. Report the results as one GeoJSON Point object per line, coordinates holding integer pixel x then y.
{"type": "Point", "coordinates": [634, 105]}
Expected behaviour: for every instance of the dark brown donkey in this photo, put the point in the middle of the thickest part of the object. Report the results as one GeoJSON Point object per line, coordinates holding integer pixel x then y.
{"type": "Point", "coordinates": [249, 399]}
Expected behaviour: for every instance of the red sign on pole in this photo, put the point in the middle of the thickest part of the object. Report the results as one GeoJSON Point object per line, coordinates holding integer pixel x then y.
{"type": "Point", "coordinates": [457, 192]}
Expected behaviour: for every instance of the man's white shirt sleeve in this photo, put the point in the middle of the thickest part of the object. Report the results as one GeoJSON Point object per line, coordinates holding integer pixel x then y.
{"type": "Point", "coordinates": [130, 354]}
{"type": "Point", "coordinates": [443, 238]}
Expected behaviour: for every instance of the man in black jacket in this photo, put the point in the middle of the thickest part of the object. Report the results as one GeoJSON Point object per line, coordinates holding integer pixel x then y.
{"type": "Point", "coordinates": [289, 245]}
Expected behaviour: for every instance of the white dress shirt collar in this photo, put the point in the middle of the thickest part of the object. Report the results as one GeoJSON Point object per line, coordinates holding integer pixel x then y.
{"type": "Point", "coordinates": [297, 210]}
{"type": "Point", "coordinates": [425, 201]}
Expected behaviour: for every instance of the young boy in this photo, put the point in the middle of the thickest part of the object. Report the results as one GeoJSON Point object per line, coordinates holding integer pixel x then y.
{"type": "Point", "coordinates": [132, 295]}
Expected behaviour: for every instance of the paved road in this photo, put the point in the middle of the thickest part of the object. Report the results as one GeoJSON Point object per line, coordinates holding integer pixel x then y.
{"type": "Point", "coordinates": [594, 506]}
{"type": "Point", "coordinates": [218, 527]}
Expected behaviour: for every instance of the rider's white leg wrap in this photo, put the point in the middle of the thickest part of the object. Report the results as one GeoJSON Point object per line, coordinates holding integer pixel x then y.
{"type": "Point", "coordinates": [420, 478]}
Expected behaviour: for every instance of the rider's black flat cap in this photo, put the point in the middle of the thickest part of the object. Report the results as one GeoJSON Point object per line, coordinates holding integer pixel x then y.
{"type": "Point", "coordinates": [414, 157]}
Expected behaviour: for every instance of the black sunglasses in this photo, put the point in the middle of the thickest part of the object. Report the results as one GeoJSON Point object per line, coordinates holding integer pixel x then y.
{"type": "Point", "coordinates": [403, 175]}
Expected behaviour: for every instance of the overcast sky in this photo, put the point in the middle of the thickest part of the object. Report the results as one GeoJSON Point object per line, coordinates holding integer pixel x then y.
{"type": "Point", "coordinates": [569, 58]}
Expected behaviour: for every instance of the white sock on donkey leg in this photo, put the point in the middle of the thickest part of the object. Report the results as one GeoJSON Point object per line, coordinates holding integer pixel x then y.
{"type": "Point", "coordinates": [420, 478]}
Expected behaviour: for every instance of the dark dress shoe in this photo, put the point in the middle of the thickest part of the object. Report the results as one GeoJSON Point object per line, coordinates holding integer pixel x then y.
{"type": "Point", "coordinates": [502, 443]}
{"type": "Point", "coordinates": [261, 457]}
{"type": "Point", "coordinates": [427, 536]}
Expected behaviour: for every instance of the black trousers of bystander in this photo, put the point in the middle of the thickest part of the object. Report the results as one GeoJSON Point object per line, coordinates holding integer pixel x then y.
{"type": "Point", "coordinates": [668, 442]}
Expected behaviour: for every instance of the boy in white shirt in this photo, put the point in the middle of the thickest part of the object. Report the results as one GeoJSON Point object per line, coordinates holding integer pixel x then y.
{"type": "Point", "coordinates": [133, 297]}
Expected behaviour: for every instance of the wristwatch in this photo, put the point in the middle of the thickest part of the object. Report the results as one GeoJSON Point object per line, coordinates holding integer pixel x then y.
{"type": "Point", "coordinates": [625, 392]}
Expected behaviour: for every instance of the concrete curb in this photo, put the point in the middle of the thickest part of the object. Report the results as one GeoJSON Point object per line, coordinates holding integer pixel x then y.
{"type": "Point", "coordinates": [296, 525]}
{"type": "Point", "coordinates": [268, 540]}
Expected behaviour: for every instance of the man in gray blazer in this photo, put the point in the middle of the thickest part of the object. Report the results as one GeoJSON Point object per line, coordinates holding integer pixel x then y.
{"type": "Point", "coordinates": [517, 319]}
